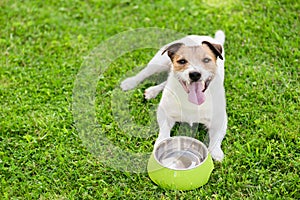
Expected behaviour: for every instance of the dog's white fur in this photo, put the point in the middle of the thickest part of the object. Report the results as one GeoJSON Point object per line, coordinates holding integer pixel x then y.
{"type": "Point", "coordinates": [174, 105]}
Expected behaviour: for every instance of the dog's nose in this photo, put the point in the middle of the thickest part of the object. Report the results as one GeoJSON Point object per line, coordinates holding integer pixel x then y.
{"type": "Point", "coordinates": [194, 76]}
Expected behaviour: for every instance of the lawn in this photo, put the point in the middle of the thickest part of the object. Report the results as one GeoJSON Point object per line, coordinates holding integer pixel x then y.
{"type": "Point", "coordinates": [55, 142]}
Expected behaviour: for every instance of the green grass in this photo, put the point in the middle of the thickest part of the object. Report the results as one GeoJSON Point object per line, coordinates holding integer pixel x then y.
{"type": "Point", "coordinates": [44, 43]}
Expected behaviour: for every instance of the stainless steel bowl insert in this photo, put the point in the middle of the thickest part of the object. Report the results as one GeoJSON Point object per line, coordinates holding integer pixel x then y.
{"type": "Point", "coordinates": [180, 153]}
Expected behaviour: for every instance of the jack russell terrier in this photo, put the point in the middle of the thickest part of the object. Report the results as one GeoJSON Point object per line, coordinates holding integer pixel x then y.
{"type": "Point", "coordinates": [194, 91]}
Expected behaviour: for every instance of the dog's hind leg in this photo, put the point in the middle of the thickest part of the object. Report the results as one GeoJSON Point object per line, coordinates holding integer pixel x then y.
{"type": "Point", "coordinates": [159, 63]}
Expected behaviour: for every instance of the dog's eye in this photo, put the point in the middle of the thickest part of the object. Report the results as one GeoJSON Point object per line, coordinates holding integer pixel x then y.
{"type": "Point", "coordinates": [182, 61]}
{"type": "Point", "coordinates": [206, 60]}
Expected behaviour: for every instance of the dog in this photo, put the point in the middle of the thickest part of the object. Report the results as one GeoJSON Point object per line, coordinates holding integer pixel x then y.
{"type": "Point", "coordinates": [194, 90]}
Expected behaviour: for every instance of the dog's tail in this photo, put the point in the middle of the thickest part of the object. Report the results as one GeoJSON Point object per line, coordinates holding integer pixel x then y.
{"type": "Point", "coordinates": [220, 37]}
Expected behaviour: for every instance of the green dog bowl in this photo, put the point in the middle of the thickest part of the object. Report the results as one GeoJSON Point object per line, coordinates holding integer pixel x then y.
{"type": "Point", "coordinates": [181, 163]}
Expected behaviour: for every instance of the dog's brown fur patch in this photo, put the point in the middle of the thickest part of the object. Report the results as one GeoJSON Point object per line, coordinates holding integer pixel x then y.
{"type": "Point", "coordinates": [177, 66]}
{"type": "Point", "coordinates": [210, 52]}
{"type": "Point", "coordinates": [194, 55]}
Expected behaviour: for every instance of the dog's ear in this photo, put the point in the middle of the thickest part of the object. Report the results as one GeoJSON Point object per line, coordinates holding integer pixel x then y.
{"type": "Point", "coordinates": [216, 48]}
{"type": "Point", "coordinates": [172, 49]}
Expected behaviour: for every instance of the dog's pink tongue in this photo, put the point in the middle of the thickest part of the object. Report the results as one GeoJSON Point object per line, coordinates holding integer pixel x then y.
{"type": "Point", "coordinates": [196, 95]}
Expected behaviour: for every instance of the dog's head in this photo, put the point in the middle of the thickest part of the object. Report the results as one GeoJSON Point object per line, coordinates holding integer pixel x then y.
{"type": "Point", "coordinates": [194, 66]}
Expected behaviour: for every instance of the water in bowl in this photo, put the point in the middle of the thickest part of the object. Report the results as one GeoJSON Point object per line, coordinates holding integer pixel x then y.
{"type": "Point", "coordinates": [183, 159]}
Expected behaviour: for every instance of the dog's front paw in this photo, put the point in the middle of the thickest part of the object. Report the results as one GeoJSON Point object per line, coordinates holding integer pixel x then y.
{"type": "Point", "coordinates": [151, 92]}
{"type": "Point", "coordinates": [159, 140]}
{"type": "Point", "coordinates": [129, 84]}
{"type": "Point", "coordinates": [216, 153]}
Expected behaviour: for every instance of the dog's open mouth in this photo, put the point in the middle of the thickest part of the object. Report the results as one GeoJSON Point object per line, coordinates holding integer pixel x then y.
{"type": "Point", "coordinates": [195, 91]}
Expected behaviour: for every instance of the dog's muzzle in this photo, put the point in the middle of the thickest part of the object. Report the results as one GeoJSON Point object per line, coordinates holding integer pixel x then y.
{"type": "Point", "coordinates": [195, 76]}
{"type": "Point", "coordinates": [195, 88]}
